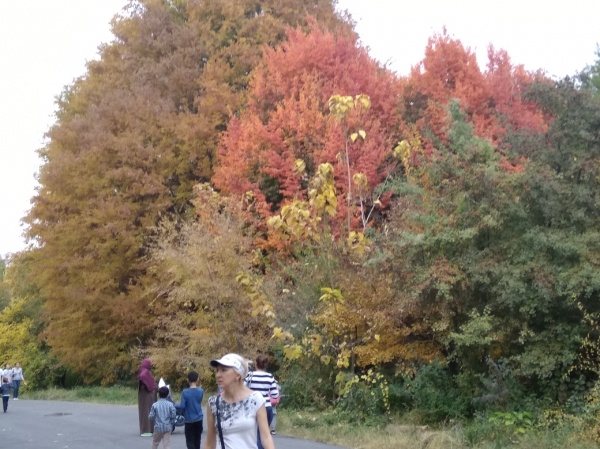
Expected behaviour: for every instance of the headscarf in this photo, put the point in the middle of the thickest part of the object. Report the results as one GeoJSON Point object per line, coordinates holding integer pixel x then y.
{"type": "Point", "coordinates": [145, 376]}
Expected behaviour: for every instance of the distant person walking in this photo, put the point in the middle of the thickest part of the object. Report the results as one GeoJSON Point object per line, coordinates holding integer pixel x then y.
{"type": "Point", "coordinates": [263, 382]}
{"type": "Point", "coordinates": [7, 372]}
{"type": "Point", "coordinates": [235, 416]}
{"type": "Point", "coordinates": [163, 414]}
{"type": "Point", "coordinates": [17, 378]}
{"type": "Point", "coordinates": [146, 397]}
{"type": "Point", "coordinates": [5, 390]}
{"type": "Point", "coordinates": [191, 403]}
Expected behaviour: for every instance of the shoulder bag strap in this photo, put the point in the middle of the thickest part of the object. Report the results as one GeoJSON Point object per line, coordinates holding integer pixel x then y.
{"type": "Point", "coordinates": [219, 428]}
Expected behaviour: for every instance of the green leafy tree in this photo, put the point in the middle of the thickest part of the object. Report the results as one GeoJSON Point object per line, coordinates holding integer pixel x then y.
{"type": "Point", "coordinates": [505, 256]}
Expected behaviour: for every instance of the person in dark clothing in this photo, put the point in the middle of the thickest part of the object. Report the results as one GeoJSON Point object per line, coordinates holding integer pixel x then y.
{"type": "Point", "coordinates": [146, 397]}
{"type": "Point", "coordinates": [191, 403]}
{"type": "Point", "coordinates": [5, 389]}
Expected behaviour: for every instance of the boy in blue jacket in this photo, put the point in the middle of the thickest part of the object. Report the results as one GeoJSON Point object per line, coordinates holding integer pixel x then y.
{"type": "Point", "coordinates": [191, 404]}
{"type": "Point", "coordinates": [5, 389]}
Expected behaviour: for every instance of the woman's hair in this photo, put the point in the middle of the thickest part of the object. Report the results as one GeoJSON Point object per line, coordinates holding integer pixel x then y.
{"type": "Point", "coordinates": [262, 361]}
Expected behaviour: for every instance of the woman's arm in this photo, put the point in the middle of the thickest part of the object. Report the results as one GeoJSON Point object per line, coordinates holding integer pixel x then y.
{"type": "Point", "coordinates": [211, 437]}
{"type": "Point", "coordinates": [263, 427]}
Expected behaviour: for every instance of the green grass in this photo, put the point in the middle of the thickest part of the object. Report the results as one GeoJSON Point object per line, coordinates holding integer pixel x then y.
{"type": "Point", "coordinates": [322, 427]}
{"type": "Point", "coordinates": [99, 395]}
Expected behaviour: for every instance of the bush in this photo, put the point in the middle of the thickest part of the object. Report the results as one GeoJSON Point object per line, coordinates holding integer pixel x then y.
{"type": "Point", "coordinates": [436, 395]}
{"type": "Point", "coordinates": [305, 386]}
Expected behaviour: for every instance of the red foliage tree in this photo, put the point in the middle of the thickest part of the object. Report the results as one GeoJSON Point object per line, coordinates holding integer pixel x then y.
{"type": "Point", "coordinates": [493, 100]}
{"type": "Point", "coordinates": [288, 118]}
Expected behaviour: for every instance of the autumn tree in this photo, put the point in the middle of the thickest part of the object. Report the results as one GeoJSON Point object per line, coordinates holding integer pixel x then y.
{"type": "Point", "coordinates": [202, 290]}
{"type": "Point", "coordinates": [21, 324]}
{"type": "Point", "coordinates": [288, 118]}
{"type": "Point", "coordinates": [493, 99]}
{"type": "Point", "coordinates": [132, 137]}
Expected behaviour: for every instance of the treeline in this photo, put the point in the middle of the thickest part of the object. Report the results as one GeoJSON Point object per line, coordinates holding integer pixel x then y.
{"type": "Point", "coordinates": [242, 176]}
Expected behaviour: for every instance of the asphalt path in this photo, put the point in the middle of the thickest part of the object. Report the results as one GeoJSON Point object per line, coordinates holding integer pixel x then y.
{"type": "Point", "coordinates": [75, 425]}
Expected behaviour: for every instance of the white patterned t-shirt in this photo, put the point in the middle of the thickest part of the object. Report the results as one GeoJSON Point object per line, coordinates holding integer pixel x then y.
{"type": "Point", "coordinates": [238, 421]}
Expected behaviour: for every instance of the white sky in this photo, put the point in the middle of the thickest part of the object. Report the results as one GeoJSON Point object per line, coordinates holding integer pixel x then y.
{"type": "Point", "coordinates": [44, 45]}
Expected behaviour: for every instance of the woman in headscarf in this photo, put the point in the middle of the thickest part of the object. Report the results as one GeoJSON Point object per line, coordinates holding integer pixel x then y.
{"type": "Point", "coordinates": [146, 397]}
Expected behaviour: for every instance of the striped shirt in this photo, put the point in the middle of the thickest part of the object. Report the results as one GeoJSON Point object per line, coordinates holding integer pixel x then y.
{"type": "Point", "coordinates": [264, 383]}
{"type": "Point", "coordinates": [163, 413]}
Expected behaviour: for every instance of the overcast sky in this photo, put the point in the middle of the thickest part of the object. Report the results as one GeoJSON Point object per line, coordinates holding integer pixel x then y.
{"type": "Point", "coordinates": [44, 45]}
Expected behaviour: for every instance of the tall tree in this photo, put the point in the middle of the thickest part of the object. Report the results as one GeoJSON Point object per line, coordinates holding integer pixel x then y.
{"type": "Point", "coordinates": [131, 139]}
{"type": "Point", "coordinates": [510, 258]}
{"type": "Point", "coordinates": [492, 100]}
{"type": "Point", "coordinates": [288, 118]}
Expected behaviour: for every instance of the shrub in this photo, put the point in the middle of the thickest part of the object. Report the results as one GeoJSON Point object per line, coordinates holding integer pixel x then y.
{"type": "Point", "coordinates": [436, 395]}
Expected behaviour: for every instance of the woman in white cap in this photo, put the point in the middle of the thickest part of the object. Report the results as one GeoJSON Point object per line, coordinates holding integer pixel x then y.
{"type": "Point", "coordinates": [238, 412]}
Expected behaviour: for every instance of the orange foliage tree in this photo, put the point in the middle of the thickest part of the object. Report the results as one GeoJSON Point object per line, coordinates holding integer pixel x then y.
{"type": "Point", "coordinates": [288, 118]}
{"type": "Point", "coordinates": [492, 99]}
{"type": "Point", "coordinates": [132, 138]}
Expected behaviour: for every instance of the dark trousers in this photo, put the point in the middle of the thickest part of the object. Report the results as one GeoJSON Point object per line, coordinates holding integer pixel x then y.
{"type": "Point", "coordinates": [269, 419]}
{"type": "Point", "coordinates": [5, 403]}
{"type": "Point", "coordinates": [193, 431]}
{"type": "Point", "coordinates": [16, 384]}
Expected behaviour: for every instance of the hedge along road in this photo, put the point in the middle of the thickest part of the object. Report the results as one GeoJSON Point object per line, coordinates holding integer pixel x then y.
{"type": "Point", "coordinates": [75, 425]}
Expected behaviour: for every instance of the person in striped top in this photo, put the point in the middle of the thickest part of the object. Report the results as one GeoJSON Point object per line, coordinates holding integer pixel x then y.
{"type": "Point", "coordinates": [262, 381]}
{"type": "Point", "coordinates": [163, 413]}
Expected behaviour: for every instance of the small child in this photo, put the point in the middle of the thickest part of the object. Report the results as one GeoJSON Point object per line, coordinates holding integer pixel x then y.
{"type": "Point", "coordinates": [163, 413]}
{"type": "Point", "coordinates": [191, 403]}
{"type": "Point", "coordinates": [5, 389]}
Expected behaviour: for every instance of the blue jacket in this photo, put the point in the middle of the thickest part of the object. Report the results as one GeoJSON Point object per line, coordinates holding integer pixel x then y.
{"type": "Point", "coordinates": [191, 404]}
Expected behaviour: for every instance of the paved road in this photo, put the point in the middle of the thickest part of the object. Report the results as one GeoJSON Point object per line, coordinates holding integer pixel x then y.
{"type": "Point", "coordinates": [73, 425]}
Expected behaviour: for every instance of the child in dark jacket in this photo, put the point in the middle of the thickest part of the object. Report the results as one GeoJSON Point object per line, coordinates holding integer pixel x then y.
{"type": "Point", "coordinates": [5, 389]}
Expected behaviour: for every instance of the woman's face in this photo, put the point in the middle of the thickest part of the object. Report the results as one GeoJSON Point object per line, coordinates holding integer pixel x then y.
{"type": "Point", "coordinates": [226, 376]}
{"type": "Point", "coordinates": [7, 366]}
{"type": "Point", "coordinates": [16, 365]}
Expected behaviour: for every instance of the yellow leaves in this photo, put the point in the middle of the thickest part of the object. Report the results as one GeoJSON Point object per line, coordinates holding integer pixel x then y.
{"type": "Point", "coordinates": [280, 335]}
{"type": "Point", "coordinates": [322, 193]}
{"type": "Point", "coordinates": [402, 150]}
{"type": "Point", "coordinates": [362, 101]}
{"type": "Point", "coordinates": [340, 106]}
{"type": "Point", "coordinates": [259, 302]}
{"type": "Point", "coordinates": [325, 360]}
{"type": "Point", "coordinates": [406, 148]}
{"type": "Point", "coordinates": [360, 133]}
{"type": "Point", "coordinates": [299, 167]}
{"type": "Point", "coordinates": [357, 242]}
{"type": "Point", "coordinates": [343, 360]}
{"type": "Point", "coordinates": [315, 344]}
{"type": "Point", "coordinates": [292, 352]}
{"type": "Point", "coordinates": [330, 294]}
{"type": "Point", "coordinates": [377, 337]}
{"type": "Point", "coordinates": [360, 180]}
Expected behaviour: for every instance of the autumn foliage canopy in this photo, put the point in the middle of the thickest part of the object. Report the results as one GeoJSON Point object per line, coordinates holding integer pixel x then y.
{"type": "Point", "coordinates": [243, 176]}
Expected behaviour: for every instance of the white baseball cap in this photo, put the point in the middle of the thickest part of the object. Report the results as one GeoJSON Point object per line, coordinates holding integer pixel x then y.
{"type": "Point", "coordinates": [230, 361]}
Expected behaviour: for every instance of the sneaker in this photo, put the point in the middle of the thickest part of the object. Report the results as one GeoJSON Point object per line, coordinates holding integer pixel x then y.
{"type": "Point", "coordinates": [147, 434]}
{"type": "Point", "coordinates": [273, 432]}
